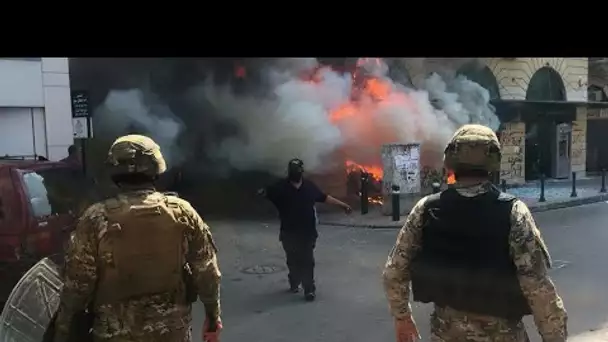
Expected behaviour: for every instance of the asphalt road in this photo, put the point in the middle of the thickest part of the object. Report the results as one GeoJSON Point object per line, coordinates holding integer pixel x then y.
{"type": "Point", "coordinates": [350, 302]}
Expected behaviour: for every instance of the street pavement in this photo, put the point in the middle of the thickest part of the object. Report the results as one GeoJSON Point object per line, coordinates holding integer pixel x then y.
{"type": "Point", "coordinates": [351, 306]}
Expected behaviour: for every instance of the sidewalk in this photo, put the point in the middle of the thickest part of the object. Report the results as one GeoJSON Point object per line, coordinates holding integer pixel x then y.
{"type": "Point", "coordinates": [600, 335]}
{"type": "Point", "coordinates": [557, 196]}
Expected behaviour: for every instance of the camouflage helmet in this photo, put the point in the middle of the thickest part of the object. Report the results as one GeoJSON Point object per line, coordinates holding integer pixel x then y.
{"type": "Point", "coordinates": [473, 147]}
{"type": "Point", "coordinates": [136, 154]}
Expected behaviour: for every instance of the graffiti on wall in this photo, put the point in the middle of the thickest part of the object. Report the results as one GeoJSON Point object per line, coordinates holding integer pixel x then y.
{"type": "Point", "coordinates": [578, 151]}
{"type": "Point", "coordinates": [511, 136]}
{"type": "Point", "coordinates": [512, 166]}
{"type": "Point", "coordinates": [512, 139]}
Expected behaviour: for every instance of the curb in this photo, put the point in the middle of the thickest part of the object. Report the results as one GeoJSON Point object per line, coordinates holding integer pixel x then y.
{"type": "Point", "coordinates": [535, 208]}
{"type": "Point", "coordinates": [568, 203]}
{"type": "Point", "coordinates": [390, 225]}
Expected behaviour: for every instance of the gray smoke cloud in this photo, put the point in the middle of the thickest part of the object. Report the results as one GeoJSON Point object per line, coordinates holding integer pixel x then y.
{"type": "Point", "coordinates": [462, 100]}
{"type": "Point", "coordinates": [312, 120]}
{"type": "Point", "coordinates": [141, 111]}
{"type": "Point", "coordinates": [295, 120]}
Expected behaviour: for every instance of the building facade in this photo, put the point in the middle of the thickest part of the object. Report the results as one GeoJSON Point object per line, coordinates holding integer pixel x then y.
{"type": "Point", "coordinates": [35, 107]}
{"type": "Point", "coordinates": [542, 105]}
{"type": "Point", "coordinates": [597, 116]}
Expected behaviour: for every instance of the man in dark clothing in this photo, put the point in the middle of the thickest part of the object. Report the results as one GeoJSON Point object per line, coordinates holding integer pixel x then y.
{"type": "Point", "coordinates": [74, 157]}
{"type": "Point", "coordinates": [295, 198]}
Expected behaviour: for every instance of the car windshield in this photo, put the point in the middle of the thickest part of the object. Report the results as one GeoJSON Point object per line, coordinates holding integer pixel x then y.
{"type": "Point", "coordinates": [58, 191]}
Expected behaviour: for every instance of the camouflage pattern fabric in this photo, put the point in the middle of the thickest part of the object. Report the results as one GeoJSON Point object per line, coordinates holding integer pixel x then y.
{"type": "Point", "coordinates": [136, 154]}
{"type": "Point", "coordinates": [531, 259]}
{"type": "Point", "coordinates": [151, 318]}
{"type": "Point", "coordinates": [473, 146]}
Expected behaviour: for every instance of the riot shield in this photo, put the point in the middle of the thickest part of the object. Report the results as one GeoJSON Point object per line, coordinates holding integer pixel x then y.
{"type": "Point", "coordinates": [31, 304]}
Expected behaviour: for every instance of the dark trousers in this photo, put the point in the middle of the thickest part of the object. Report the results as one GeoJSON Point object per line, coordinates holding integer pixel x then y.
{"type": "Point", "coordinates": [299, 252]}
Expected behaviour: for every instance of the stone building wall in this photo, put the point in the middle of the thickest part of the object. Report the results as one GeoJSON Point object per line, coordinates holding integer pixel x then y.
{"type": "Point", "coordinates": [513, 142]}
{"type": "Point", "coordinates": [578, 151]}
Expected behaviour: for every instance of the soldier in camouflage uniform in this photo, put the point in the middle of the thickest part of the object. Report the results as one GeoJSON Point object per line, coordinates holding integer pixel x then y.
{"type": "Point", "coordinates": [475, 253]}
{"type": "Point", "coordinates": [132, 258]}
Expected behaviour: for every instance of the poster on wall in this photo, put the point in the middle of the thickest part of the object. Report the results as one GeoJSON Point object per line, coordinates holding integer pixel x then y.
{"type": "Point", "coordinates": [81, 115]}
{"type": "Point", "coordinates": [407, 166]}
{"type": "Point", "coordinates": [405, 160]}
{"type": "Point", "coordinates": [401, 166]}
{"type": "Point", "coordinates": [79, 127]}
{"type": "Point", "coordinates": [80, 104]}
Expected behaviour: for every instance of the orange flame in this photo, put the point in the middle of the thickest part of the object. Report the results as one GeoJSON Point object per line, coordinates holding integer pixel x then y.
{"type": "Point", "coordinates": [451, 177]}
{"type": "Point", "coordinates": [377, 89]}
{"type": "Point", "coordinates": [374, 199]}
{"type": "Point", "coordinates": [374, 171]}
{"type": "Point", "coordinates": [369, 96]}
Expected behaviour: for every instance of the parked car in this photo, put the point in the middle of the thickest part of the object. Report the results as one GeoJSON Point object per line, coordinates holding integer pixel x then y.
{"type": "Point", "coordinates": [40, 202]}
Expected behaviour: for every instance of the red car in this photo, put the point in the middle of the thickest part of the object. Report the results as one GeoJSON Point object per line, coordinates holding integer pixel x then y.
{"type": "Point", "coordinates": [40, 202]}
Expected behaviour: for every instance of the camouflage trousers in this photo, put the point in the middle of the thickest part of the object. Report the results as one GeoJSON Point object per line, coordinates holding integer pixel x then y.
{"type": "Point", "coordinates": [181, 335]}
{"type": "Point", "coordinates": [449, 325]}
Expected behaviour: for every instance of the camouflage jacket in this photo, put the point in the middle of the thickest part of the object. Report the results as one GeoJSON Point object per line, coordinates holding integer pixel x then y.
{"type": "Point", "coordinates": [531, 259]}
{"type": "Point", "coordinates": [151, 318]}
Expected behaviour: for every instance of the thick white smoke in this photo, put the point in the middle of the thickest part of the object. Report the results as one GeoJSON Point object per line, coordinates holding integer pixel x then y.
{"type": "Point", "coordinates": [136, 110]}
{"type": "Point", "coordinates": [295, 121]}
{"type": "Point", "coordinates": [299, 116]}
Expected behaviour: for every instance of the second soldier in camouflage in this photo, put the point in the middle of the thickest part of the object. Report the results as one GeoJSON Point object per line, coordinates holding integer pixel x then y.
{"type": "Point", "coordinates": [126, 258]}
{"type": "Point", "coordinates": [476, 254]}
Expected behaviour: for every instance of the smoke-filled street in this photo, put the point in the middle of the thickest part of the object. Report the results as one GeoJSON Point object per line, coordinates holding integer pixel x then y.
{"type": "Point", "coordinates": [220, 120]}
{"type": "Point", "coordinates": [350, 305]}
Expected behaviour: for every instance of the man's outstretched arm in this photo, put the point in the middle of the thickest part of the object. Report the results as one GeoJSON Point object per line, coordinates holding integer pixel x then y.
{"type": "Point", "coordinates": [332, 200]}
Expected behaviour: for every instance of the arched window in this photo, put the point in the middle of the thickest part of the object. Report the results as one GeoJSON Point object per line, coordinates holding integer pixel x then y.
{"type": "Point", "coordinates": [546, 85]}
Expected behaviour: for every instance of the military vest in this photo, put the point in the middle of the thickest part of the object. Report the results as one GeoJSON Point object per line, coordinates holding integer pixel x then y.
{"type": "Point", "coordinates": [142, 248]}
{"type": "Point", "coordinates": [465, 262]}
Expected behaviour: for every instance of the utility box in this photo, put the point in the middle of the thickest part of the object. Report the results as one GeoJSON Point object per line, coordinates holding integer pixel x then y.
{"type": "Point", "coordinates": [401, 166]}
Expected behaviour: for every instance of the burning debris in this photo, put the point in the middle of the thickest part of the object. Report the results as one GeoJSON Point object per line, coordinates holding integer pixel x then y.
{"type": "Point", "coordinates": [373, 181]}
{"type": "Point", "coordinates": [380, 111]}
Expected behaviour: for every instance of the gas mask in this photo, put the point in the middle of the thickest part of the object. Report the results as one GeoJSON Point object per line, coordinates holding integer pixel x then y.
{"type": "Point", "coordinates": [295, 170]}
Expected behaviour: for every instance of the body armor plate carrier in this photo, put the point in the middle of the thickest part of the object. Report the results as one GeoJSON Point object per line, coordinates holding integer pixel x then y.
{"type": "Point", "coordinates": [145, 240]}
{"type": "Point", "coordinates": [465, 262]}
